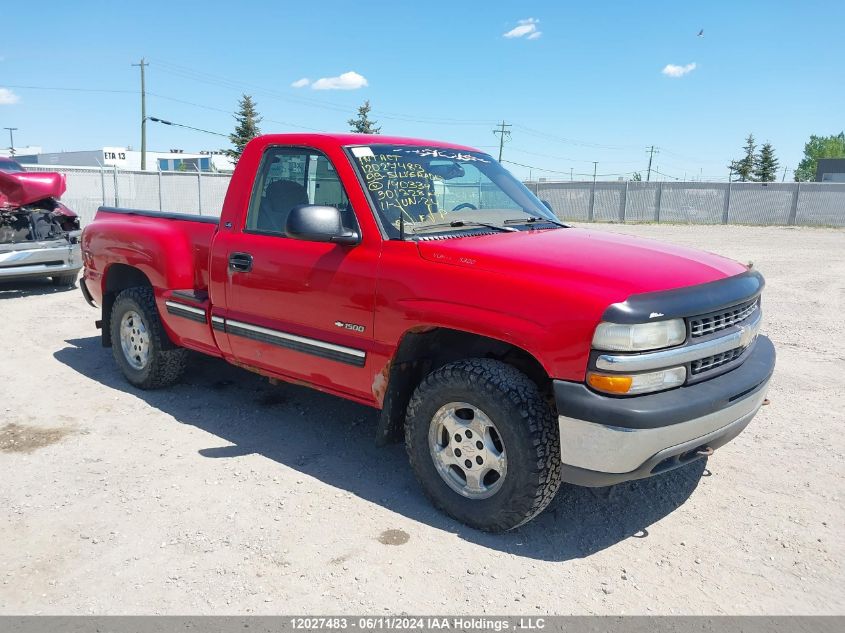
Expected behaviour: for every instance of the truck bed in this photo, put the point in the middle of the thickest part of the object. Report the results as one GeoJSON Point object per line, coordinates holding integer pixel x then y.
{"type": "Point", "coordinates": [165, 215]}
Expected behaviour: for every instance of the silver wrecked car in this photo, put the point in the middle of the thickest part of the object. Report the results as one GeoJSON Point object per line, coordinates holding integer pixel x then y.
{"type": "Point", "coordinates": [39, 236]}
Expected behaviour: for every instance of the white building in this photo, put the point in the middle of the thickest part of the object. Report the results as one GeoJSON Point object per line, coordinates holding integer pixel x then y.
{"type": "Point", "coordinates": [6, 152]}
{"type": "Point", "coordinates": [125, 158]}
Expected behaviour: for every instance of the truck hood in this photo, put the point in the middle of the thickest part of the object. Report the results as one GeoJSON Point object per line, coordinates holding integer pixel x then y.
{"type": "Point", "coordinates": [21, 188]}
{"type": "Point", "coordinates": [619, 264]}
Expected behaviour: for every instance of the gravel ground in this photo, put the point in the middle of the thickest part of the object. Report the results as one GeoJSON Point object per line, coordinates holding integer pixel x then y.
{"type": "Point", "coordinates": [228, 495]}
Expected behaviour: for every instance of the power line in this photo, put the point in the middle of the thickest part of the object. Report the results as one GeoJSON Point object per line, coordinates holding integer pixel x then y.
{"type": "Point", "coordinates": [217, 80]}
{"type": "Point", "coordinates": [196, 129]}
{"type": "Point", "coordinates": [567, 158]}
{"type": "Point", "coordinates": [570, 141]}
{"type": "Point", "coordinates": [212, 108]}
{"type": "Point", "coordinates": [665, 175]}
{"type": "Point", "coordinates": [340, 108]}
{"type": "Point", "coordinates": [558, 171]}
{"type": "Point", "coordinates": [64, 89]}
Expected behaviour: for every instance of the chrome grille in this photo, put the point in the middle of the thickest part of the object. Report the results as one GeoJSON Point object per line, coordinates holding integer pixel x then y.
{"type": "Point", "coordinates": [711, 362]}
{"type": "Point", "coordinates": [716, 321]}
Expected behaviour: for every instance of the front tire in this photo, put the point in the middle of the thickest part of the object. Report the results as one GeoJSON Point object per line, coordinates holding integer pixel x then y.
{"type": "Point", "coordinates": [484, 444]}
{"type": "Point", "coordinates": [68, 281]}
{"type": "Point", "coordinates": [141, 347]}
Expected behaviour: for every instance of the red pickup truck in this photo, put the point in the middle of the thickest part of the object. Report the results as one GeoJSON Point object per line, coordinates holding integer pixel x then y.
{"type": "Point", "coordinates": [510, 350]}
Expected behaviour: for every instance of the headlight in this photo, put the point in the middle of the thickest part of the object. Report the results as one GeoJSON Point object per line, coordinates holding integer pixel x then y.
{"type": "Point", "coordinates": [632, 384]}
{"type": "Point", "coordinates": [639, 337]}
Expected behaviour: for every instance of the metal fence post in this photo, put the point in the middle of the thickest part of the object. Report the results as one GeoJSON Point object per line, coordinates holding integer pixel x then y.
{"type": "Point", "coordinates": [623, 208]}
{"type": "Point", "coordinates": [590, 213]}
{"type": "Point", "coordinates": [103, 182]}
{"type": "Point", "coordinates": [726, 210]}
{"type": "Point", "coordinates": [160, 205]}
{"type": "Point", "coordinates": [659, 201]}
{"type": "Point", "coordinates": [199, 189]}
{"type": "Point", "coordinates": [793, 211]}
{"type": "Point", "coordinates": [116, 195]}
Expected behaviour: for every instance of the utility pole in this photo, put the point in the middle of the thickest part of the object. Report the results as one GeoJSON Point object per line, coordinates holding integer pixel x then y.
{"type": "Point", "coordinates": [143, 116]}
{"type": "Point", "coordinates": [650, 157]}
{"type": "Point", "coordinates": [571, 169]}
{"type": "Point", "coordinates": [783, 178]}
{"type": "Point", "coordinates": [502, 131]}
{"type": "Point", "coordinates": [11, 140]}
{"type": "Point", "coordinates": [595, 167]}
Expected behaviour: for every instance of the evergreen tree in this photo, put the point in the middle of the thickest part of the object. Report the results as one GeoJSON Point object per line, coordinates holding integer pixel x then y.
{"type": "Point", "coordinates": [246, 129]}
{"type": "Point", "coordinates": [766, 169]}
{"type": "Point", "coordinates": [817, 147]}
{"type": "Point", "coordinates": [362, 123]}
{"type": "Point", "coordinates": [743, 169]}
{"type": "Point", "coordinates": [637, 177]}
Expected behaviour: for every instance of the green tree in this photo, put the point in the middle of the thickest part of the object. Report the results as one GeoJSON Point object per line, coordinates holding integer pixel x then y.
{"type": "Point", "coordinates": [743, 169]}
{"type": "Point", "coordinates": [817, 147]}
{"type": "Point", "coordinates": [766, 167]}
{"type": "Point", "coordinates": [637, 177]}
{"type": "Point", "coordinates": [246, 129]}
{"type": "Point", "coordinates": [362, 123]}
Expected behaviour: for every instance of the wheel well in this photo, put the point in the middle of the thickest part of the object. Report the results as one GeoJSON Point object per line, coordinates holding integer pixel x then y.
{"type": "Point", "coordinates": [421, 352]}
{"type": "Point", "coordinates": [119, 277]}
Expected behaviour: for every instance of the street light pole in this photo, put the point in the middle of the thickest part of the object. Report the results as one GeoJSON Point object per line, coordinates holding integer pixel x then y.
{"type": "Point", "coordinates": [11, 140]}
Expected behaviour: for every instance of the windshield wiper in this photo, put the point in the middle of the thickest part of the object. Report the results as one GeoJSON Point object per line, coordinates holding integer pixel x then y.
{"type": "Point", "coordinates": [535, 220]}
{"type": "Point", "coordinates": [460, 223]}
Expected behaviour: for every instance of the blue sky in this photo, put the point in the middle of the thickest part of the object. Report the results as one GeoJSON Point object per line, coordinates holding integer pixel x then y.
{"type": "Point", "coordinates": [590, 87]}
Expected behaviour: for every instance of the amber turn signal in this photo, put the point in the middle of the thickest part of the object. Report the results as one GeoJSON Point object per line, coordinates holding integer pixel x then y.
{"type": "Point", "coordinates": [610, 384]}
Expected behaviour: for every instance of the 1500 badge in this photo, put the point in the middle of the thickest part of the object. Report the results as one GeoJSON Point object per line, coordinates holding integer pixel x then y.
{"type": "Point", "coordinates": [350, 326]}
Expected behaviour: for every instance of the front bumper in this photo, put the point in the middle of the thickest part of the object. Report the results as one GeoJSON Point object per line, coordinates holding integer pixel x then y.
{"type": "Point", "coordinates": [608, 440]}
{"type": "Point", "coordinates": [39, 259]}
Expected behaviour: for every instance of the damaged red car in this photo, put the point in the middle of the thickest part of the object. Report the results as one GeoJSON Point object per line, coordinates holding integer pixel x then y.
{"type": "Point", "coordinates": [39, 236]}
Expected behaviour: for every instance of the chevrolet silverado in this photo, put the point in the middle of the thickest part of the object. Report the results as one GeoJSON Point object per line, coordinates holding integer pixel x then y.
{"type": "Point", "coordinates": [510, 350]}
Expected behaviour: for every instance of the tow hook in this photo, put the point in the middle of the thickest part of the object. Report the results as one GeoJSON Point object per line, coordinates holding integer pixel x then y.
{"type": "Point", "coordinates": [704, 451]}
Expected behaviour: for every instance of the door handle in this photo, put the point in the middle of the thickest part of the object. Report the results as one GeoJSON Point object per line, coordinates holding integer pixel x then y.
{"type": "Point", "coordinates": [240, 262]}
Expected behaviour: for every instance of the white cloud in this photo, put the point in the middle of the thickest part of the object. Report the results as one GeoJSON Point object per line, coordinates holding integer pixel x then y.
{"type": "Point", "coordinates": [301, 83]}
{"type": "Point", "coordinates": [7, 97]}
{"type": "Point", "coordinates": [671, 70]}
{"type": "Point", "coordinates": [345, 81]}
{"type": "Point", "coordinates": [525, 28]}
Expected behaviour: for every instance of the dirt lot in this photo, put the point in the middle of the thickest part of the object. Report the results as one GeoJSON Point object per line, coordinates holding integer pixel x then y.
{"type": "Point", "coordinates": [228, 495]}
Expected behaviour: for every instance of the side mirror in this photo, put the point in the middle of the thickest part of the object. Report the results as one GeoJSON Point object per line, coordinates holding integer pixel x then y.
{"type": "Point", "coordinates": [548, 205]}
{"type": "Point", "coordinates": [315, 223]}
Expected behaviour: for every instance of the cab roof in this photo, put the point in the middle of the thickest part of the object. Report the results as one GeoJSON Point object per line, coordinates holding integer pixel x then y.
{"type": "Point", "coordinates": [347, 139]}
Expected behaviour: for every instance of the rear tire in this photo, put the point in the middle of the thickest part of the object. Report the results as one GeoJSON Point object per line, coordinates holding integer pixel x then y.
{"type": "Point", "coordinates": [68, 281]}
{"type": "Point", "coordinates": [141, 347]}
{"type": "Point", "coordinates": [509, 461]}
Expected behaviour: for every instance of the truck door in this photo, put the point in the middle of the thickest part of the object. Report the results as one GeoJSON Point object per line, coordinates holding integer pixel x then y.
{"type": "Point", "coordinates": [298, 308]}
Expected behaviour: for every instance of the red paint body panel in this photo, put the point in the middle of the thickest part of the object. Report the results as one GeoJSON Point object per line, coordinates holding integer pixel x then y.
{"type": "Point", "coordinates": [21, 188]}
{"type": "Point", "coordinates": [543, 291]}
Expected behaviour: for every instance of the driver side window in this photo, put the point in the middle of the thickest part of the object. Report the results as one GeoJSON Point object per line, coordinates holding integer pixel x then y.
{"type": "Point", "coordinates": [289, 177]}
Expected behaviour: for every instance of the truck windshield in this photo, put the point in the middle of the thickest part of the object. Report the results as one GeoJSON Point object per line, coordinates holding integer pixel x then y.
{"type": "Point", "coordinates": [434, 188]}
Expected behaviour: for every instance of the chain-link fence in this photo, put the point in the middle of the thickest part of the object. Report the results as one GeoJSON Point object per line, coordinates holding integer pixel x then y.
{"type": "Point", "coordinates": [805, 203]}
{"type": "Point", "coordinates": [798, 203]}
{"type": "Point", "coordinates": [185, 192]}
